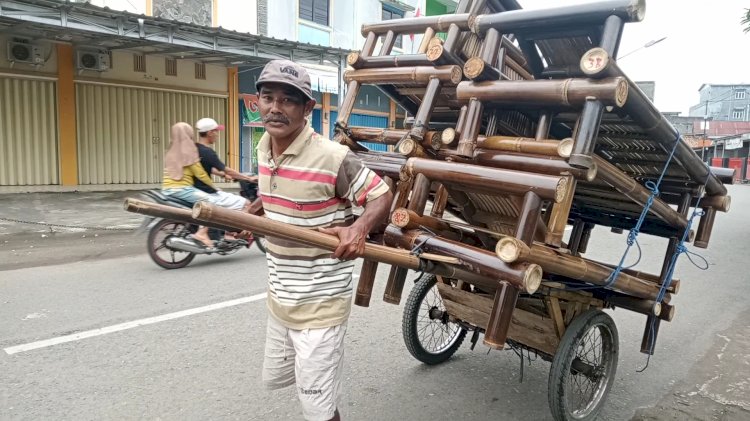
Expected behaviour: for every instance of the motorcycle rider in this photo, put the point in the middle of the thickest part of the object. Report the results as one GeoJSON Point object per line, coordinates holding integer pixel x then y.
{"type": "Point", "coordinates": [208, 133]}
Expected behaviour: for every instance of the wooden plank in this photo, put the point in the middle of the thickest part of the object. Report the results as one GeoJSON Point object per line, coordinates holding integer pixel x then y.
{"type": "Point", "coordinates": [532, 330]}
{"type": "Point", "coordinates": [556, 315]}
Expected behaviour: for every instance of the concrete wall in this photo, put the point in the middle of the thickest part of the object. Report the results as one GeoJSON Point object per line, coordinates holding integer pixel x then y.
{"type": "Point", "coordinates": [238, 15]}
{"type": "Point", "coordinates": [133, 6]}
{"type": "Point", "coordinates": [122, 69]}
{"type": "Point", "coordinates": [49, 51]}
{"type": "Point", "coordinates": [282, 19]}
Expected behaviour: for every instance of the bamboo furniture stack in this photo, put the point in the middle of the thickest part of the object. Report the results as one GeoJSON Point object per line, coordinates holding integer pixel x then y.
{"type": "Point", "coordinates": [522, 125]}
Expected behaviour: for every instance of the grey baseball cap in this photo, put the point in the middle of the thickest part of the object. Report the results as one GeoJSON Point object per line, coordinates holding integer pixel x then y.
{"type": "Point", "coordinates": [288, 73]}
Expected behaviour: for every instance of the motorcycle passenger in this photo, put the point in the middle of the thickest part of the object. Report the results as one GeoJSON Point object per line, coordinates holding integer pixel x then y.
{"type": "Point", "coordinates": [208, 134]}
{"type": "Point", "coordinates": [181, 168]}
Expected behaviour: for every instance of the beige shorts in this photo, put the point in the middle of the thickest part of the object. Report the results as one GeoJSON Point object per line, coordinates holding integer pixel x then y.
{"type": "Point", "coordinates": [311, 358]}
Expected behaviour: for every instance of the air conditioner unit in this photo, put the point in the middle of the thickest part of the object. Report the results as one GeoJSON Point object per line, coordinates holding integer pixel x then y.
{"type": "Point", "coordinates": [24, 52]}
{"type": "Point", "coordinates": [96, 60]}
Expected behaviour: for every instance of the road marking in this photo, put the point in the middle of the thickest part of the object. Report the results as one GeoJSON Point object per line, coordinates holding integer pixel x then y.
{"type": "Point", "coordinates": [129, 325]}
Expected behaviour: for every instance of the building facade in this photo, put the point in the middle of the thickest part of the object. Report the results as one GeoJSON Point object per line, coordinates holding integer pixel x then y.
{"type": "Point", "coordinates": [723, 102]}
{"type": "Point", "coordinates": [89, 88]}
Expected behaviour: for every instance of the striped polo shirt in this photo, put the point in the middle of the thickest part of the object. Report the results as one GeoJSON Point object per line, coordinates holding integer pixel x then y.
{"type": "Point", "coordinates": [313, 184]}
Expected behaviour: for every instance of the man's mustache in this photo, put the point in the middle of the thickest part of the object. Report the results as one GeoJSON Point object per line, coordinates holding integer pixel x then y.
{"type": "Point", "coordinates": [275, 119]}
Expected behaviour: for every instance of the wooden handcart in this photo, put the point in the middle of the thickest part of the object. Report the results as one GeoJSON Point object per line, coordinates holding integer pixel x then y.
{"type": "Point", "coordinates": [520, 124]}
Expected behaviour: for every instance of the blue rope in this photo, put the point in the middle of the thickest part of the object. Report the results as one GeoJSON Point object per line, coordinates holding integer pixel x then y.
{"type": "Point", "coordinates": [679, 249]}
{"type": "Point", "coordinates": [633, 234]}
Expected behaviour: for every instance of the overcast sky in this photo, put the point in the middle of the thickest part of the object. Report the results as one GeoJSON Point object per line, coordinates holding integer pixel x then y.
{"type": "Point", "coordinates": [705, 44]}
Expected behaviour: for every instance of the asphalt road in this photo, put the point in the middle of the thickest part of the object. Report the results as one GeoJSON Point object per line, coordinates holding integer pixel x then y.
{"type": "Point", "coordinates": [207, 365]}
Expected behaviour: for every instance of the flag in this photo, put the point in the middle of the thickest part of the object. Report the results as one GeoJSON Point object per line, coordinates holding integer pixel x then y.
{"type": "Point", "coordinates": [416, 15]}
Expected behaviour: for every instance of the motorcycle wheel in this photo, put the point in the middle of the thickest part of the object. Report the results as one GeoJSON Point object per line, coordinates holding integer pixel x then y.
{"type": "Point", "coordinates": [260, 242]}
{"type": "Point", "coordinates": [157, 245]}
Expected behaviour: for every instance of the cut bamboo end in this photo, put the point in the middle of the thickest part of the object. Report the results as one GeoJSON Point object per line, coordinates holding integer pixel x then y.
{"type": "Point", "coordinates": [436, 143]}
{"type": "Point", "coordinates": [668, 312]}
{"type": "Point", "coordinates": [456, 75]}
{"type": "Point", "coordinates": [565, 148]}
{"type": "Point", "coordinates": [621, 92]}
{"type": "Point", "coordinates": [434, 52]}
{"type": "Point", "coordinates": [411, 148]}
{"type": "Point", "coordinates": [202, 210]}
{"type": "Point", "coordinates": [473, 67]}
{"type": "Point", "coordinates": [362, 300]}
{"type": "Point", "coordinates": [130, 204]}
{"type": "Point", "coordinates": [353, 58]}
{"type": "Point", "coordinates": [400, 217]}
{"type": "Point", "coordinates": [433, 42]}
{"type": "Point", "coordinates": [591, 172]}
{"type": "Point", "coordinates": [561, 189]}
{"type": "Point", "coordinates": [533, 278]}
{"type": "Point", "coordinates": [594, 61]}
{"type": "Point", "coordinates": [657, 309]}
{"type": "Point", "coordinates": [675, 286]}
{"type": "Point", "coordinates": [448, 136]}
{"type": "Point", "coordinates": [510, 249]}
{"type": "Point", "coordinates": [637, 10]}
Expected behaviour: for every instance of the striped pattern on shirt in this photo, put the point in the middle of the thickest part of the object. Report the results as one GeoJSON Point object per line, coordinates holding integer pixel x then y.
{"type": "Point", "coordinates": [313, 184]}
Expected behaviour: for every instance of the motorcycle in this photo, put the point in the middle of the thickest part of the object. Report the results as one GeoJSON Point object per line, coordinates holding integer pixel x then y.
{"type": "Point", "coordinates": [170, 243]}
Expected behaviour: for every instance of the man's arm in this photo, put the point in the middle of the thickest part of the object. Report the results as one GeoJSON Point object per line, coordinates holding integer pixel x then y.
{"type": "Point", "coordinates": [352, 238]}
{"type": "Point", "coordinates": [236, 175]}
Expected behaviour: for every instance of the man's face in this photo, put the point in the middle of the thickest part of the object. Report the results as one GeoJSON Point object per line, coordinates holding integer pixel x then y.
{"type": "Point", "coordinates": [283, 109]}
{"type": "Point", "coordinates": [213, 136]}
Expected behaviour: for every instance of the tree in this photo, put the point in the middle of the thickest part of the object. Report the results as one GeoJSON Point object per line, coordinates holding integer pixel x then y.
{"type": "Point", "coordinates": [746, 20]}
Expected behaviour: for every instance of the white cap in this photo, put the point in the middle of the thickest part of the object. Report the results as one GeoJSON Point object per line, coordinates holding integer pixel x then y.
{"type": "Point", "coordinates": [207, 124]}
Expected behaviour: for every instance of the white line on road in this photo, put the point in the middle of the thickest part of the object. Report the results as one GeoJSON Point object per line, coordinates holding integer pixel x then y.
{"type": "Point", "coordinates": [129, 325]}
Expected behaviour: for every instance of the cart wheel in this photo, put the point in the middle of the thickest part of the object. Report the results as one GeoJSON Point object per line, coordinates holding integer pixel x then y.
{"type": "Point", "coordinates": [157, 247]}
{"type": "Point", "coordinates": [428, 334]}
{"type": "Point", "coordinates": [583, 368]}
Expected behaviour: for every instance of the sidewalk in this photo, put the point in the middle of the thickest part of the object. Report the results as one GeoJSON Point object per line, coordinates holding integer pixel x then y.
{"type": "Point", "coordinates": [70, 212]}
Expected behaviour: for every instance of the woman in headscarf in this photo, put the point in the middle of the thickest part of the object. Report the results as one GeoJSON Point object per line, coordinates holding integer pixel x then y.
{"type": "Point", "coordinates": [181, 167]}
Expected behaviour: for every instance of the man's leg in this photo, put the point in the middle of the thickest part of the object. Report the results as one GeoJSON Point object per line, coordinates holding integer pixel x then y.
{"type": "Point", "coordinates": [278, 363]}
{"type": "Point", "coordinates": [318, 368]}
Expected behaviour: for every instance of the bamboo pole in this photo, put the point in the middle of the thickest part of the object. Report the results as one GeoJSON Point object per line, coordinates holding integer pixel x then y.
{"type": "Point", "coordinates": [522, 21]}
{"type": "Point", "coordinates": [581, 269]}
{"type": "Point", "coordinates": [521, 162]}
{"type": "Point", "coordinates": [597, 63]}
{"type": "Point", "coordinates": [546, 93]}
{"type": "Point", "coordinates": [526, 277]}
{"type": "Point", "coordinates": [489, 180]}
{"type": "Point", "coordinates": [168, 212]}
{"type": "Point", "coordinates": [547, 147]}
{"type": "Point", "coordinates": [358, 61]}
{"type": "Point", "coordinates": [472, 125]}
{"type": "Point", "coordinates": [421, 75]}
{"type": "Point", "coordinates": [440, 23]}
{"type": "Point", "coordinates": [705, 226]}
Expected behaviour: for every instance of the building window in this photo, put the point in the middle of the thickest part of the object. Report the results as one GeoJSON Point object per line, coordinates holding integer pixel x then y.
{"type": "Point", "coordinates": [392, 13]}
{"type": "Point", "coordinates": [739, 94]}
{"type": "Point", "coordinates": [170, 66]}
{"type": "Point", "coordinates": [738, 114]}
{"type": "Point", "coordinates": [200, 71]}
{"type": "Point", "coordinates": [314, 11]}
{"type": "Point", "coordinates": [139, 63]}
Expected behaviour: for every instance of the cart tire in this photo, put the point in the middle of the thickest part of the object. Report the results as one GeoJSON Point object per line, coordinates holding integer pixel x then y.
{"type": "Point", "coordinates": [156, 246]}
{"type": "Point", "coordinates": [423, 304]}
{"type": "Point", "coordinates": [590, 338]}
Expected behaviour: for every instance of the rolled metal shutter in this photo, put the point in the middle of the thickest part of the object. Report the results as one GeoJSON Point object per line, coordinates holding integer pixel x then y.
{"type": "Point", "coordinates": [28, 132]}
